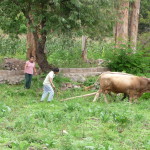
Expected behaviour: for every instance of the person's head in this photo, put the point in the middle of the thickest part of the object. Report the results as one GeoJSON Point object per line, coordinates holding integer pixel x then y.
{"type": "Point", "coordinates": [56, 70]}
{"type": "Point", "coordinates": [31, 59]}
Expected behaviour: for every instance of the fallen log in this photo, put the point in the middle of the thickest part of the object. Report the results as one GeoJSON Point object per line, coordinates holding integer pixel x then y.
{"type": "Point", "coordinates": [86, 95]}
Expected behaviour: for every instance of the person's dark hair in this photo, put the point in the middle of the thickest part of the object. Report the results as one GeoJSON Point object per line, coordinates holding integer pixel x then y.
{"type": "Point", "coordinates": [55, 69]}
{"type": "Point", "coordinates": [31, 56]}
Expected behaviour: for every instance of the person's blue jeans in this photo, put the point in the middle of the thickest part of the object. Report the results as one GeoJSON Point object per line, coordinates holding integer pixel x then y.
{"type": "Point", "coordinates": [47, 89]}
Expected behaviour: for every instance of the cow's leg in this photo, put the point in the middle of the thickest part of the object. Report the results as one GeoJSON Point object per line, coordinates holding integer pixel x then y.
{"type": "Point", "coordinates": [131, 98]}
{"type": "Point", "coordinates": [96, 96]}
{"type": "Point", "coordinates": [112, 96]}
{"type": "Point", "coordinates": [136, 98]}
{"type": "Point", "coordinates": [137, 95]}
{"type": "Point", "coordinates": [105, 98]}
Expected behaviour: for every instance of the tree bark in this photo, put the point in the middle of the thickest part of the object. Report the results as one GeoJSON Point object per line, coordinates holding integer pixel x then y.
{"type": "Point", "coordinates": [40, 40]}
{"type": "Point", "coordinates": [121, 29]}
{"type": "Point", "coordinates": [84, 49]}
{"type": "Point", "coordinates": [133, 26]}
{"type": "Point", "coordinates": [31, 44]}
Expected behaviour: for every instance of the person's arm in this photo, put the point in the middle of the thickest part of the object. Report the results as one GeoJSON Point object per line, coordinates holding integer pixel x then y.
{"type": "Point", "coordinates": [51, 81]}
{"type": "Point", "coordinates": [35, 70]}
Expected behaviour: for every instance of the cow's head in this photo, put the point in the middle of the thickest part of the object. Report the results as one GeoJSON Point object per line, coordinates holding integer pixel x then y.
{"type": "Point", "coordinates": [148, 85]}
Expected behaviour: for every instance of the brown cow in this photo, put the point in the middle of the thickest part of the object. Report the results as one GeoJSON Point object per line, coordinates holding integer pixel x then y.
{"type": "Point", "coordinates": [117, 82]}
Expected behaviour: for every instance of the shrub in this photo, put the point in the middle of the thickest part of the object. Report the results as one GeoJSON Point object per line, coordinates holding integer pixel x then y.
{"type": "Point", "coordinates": [120, 118]}
{"type": "Point", "coordinates": [12, 46]}
{"type": "Point", "coordinates": [123, 59]}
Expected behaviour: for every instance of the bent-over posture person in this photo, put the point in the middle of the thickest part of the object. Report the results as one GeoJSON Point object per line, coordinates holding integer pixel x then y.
{"type": "Point", "coordinates": [29, 68]}
{"type": "Point", "coordinates": [48, 85]}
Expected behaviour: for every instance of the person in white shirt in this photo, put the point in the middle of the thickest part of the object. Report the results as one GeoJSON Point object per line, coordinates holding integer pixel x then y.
{"type": "Point", "coordinates": [48, 86]}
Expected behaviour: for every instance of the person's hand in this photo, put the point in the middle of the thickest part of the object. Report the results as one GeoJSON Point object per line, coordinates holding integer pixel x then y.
{"type": "Point", "coordinates": [54, 87]}
{"type": "Point", "coordinates": [36, 73]}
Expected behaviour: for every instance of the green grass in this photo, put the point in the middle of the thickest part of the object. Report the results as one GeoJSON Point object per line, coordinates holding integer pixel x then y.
{"type": "Point", "coordinates": [26, 123]}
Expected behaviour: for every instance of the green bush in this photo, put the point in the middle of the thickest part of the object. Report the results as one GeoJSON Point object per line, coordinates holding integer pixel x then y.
{"type": "Point", "coordinates": [123, 59]}
{"type": "Point", "coordinates": [12, 46]}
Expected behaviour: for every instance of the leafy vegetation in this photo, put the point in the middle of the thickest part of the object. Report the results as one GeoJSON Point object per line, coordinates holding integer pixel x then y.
{"type": "Point", "coordinates": [123, 59]}
{"type": "Point", "coordinates": [76, 124]}
{"type": "Point", "coordinates": [11, 46]}
{"type": "Point", "coordinates": [144, 24]}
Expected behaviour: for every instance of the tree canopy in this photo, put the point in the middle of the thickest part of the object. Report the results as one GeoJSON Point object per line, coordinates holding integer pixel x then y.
{"type": "Point", "coordinates": [60, 15]}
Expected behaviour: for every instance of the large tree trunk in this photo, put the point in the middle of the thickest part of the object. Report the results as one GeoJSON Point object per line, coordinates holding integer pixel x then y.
{"type": "Point", "coordinates": [31, 44]}
{"type": "Point", "coordinates": [133, 26]}
{"type": "Point", "coordinates": [121, 29]}
{"type": "Point", "coordinates": [40, 40]}
{"type": "Point", "coordinates": [84, 49]}
{"type": "Point", "coordinates": [38, 37]}
{"type": "Point", "coordinates": [40, 55]}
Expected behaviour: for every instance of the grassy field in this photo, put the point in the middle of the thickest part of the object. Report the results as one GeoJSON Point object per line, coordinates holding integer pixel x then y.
{"type": "Point", "coordinates": [77, 124]}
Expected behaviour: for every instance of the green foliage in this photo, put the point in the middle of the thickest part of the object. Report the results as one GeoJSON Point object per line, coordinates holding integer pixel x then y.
{"type": "Point", "coordinates": [144, 43]}
{"type": "Point", "coordinates": [65, 51]}
{"type": "Point", "coordinates": [4, 110]}
{"type": "Point", "coordinates": [122, 119]}
{"type": "Point", "coordinates": [12, 46]}
{"type": "Point", "coordinates": [146, 96]}
{"type": "Point", "coordinates": [144, 24]}
{"type": "Point", "coordinates": [105, 116]}
{"type": "Point", "coordinates": [97, 18]}
{"type": "Point", "coordinates": [123, 59]}
{"type": "Point", "coordinates": [90, 81]}
{"type": "Point", "coordinates": [59, 16]}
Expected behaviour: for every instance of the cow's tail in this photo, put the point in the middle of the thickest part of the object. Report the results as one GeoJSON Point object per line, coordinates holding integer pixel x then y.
{"type": "Point", "coordinates": [91, 86]}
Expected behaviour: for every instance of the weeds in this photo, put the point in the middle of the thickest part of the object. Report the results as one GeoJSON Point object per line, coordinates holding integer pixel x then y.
{"type": "Point", "coordinates": [4, 110]}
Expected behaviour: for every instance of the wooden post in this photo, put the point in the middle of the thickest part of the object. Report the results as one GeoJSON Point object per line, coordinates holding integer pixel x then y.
{"type": "Point", "coordinates": [84, 49]}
